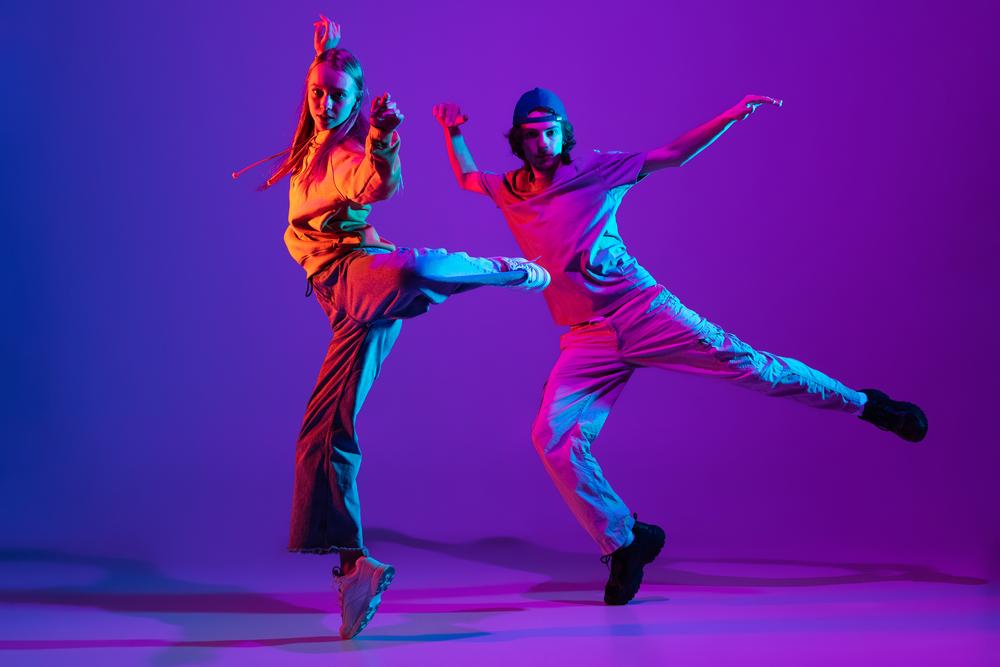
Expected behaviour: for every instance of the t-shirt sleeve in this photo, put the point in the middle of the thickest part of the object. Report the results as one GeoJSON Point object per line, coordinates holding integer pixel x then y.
{"type": "Point", "coordinates": [619, 169]}
{"type": "Point", "coordinates": [492, 184]}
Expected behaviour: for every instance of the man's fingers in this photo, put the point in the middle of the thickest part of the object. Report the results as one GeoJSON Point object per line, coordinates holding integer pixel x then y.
{"type": "Point", "coordinates": [449, 114]}
{"type": "Point", "coordinates": [763, 99]}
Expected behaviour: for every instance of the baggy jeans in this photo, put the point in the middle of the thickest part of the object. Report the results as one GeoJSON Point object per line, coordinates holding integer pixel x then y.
{"type": "Point", "coordinates": [365, 293]}
{"type": "Point", "coordinates": [596, 360]}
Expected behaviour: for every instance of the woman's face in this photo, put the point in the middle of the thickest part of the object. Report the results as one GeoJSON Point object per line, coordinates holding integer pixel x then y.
{"type": "Point", "coordinates": [332, 95]}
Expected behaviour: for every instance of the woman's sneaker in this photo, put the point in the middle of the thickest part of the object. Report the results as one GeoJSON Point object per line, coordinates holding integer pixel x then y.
{"type": "Point", "coordinates": [536, 278]}
{"type": "Point", "coordinates": [360, 593]}
{"type": "Point", "coordinates": [626, 563]}
{"type": "Point", "coordinates": [904, 419]}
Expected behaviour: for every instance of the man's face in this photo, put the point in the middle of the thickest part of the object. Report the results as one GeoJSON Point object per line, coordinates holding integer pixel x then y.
{"type": "Point", "coordinates": [543, 142]}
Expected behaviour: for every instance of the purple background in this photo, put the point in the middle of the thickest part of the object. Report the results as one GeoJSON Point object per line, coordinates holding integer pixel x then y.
{"type": "Point", "coordinates": [159, 354]}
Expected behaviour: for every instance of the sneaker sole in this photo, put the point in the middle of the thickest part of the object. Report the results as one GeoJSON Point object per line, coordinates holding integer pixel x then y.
{"type": "Point", "coordinates": [384, 580]}
{"type": "Point", "coordinates": [501, 279]}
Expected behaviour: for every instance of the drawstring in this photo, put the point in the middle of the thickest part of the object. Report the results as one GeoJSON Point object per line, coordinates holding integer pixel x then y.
{"type": "Point", "coordinates": [309, 287]}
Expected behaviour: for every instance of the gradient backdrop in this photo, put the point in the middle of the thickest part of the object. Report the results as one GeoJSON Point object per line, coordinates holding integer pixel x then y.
{"type": "Point", "coordinates": [158, 351]}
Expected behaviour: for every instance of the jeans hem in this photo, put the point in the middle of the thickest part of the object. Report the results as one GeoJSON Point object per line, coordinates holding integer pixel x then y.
{"type": "Point", "coordinates": [321, 551]}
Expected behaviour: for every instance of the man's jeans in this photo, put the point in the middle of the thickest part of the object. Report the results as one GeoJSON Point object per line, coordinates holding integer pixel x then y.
{"type": "Point", "coordinates": [597, 359]}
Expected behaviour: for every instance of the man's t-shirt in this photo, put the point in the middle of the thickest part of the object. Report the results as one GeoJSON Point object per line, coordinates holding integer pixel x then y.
{"type": "Point", "coordinates": [570, 226]}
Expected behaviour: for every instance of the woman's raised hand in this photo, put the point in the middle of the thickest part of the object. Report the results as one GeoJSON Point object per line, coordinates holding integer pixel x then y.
{"type": "Point", "coordinates": [385, 115]}
{"type": "Point", "coordinates": [326, 34]}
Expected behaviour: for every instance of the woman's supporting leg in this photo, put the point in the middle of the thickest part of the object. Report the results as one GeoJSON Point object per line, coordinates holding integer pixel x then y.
{"type": "Point", "coordinates": [326, 510]}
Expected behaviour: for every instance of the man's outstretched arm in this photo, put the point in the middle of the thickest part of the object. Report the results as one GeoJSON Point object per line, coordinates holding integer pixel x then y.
{"type": "Point", "coordinates": [451, 117]}
{"type": "Point", "coordinates": [683, 148]}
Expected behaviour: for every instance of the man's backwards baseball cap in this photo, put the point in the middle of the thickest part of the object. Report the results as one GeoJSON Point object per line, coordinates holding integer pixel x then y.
{"type": "Point", "coordinates": [538, 98]}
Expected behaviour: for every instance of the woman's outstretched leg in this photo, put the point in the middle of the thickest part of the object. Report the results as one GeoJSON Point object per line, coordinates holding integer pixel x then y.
{"type": "Point", "coordinates": [374, 283]}
{"type": "Point", "coordinates": [459, 268]}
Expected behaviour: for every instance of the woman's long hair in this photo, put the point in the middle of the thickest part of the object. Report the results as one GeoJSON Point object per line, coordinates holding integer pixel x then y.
{"type": "Point", "coordinates": [355, 128]}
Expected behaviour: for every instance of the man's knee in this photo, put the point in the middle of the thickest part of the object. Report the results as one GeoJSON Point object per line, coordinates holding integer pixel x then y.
{"type": "Point", "coordinates": [543, 436]}
{"type": "Point", "coordinates": [555, 439]}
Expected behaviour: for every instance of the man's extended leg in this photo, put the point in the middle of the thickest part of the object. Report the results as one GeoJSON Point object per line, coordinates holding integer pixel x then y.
{"type": "Point", "coordinates": [657, 330]}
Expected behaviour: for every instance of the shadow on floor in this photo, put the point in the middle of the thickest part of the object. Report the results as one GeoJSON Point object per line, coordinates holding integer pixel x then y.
{"type": "Point", "coordinates": [568, 571]}
{"type": "Point", "coordinates": [203, 612]}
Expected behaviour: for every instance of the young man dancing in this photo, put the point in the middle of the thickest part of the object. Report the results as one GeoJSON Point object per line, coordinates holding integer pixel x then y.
{"type": "Point", "coordinates": [562, 210]}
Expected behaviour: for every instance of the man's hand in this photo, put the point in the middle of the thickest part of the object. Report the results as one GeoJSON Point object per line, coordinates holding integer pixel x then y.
{"type": "Point", "coordinates": [385, 115]}
{"type": "Point", "coordinates": [449, 115]}
{"type": "Point", "coordinates": [326, 34]}
{"type": "Point", "coordinates": [749, 104]}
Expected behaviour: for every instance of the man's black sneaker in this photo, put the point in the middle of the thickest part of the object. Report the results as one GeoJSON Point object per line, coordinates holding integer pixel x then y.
{"type": "Point", "coordinates": [627, 563]}
{"type": "Point", "coordinates": [904, 419]}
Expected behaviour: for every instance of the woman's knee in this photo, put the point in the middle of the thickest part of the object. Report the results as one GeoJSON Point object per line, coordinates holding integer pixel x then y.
{"type": "Point", "coordinates": [437, 263]}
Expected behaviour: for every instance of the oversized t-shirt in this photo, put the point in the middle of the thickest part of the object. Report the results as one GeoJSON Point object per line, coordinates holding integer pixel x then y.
{"type": "Point", "coordinates": [570, 227]}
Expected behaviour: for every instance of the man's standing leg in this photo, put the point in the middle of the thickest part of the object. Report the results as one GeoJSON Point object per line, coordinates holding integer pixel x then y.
{"type": "Point", "coordinates": [579, 393]}
{"type": "Point", "coordinates": [582, 388]}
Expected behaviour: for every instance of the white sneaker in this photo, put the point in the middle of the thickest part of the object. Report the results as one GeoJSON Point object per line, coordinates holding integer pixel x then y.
{"type": "Point", "coordinates": [537, 279]}
{"type": "Point", "coordinates": [360, 593]}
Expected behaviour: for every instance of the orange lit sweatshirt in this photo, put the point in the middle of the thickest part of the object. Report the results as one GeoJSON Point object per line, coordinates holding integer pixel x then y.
{"type": "Point", "coordinates": [333, 212]}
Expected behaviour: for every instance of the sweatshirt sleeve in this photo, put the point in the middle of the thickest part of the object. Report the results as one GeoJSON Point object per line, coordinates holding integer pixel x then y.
{"type": "Point", "coordinates": [371, 176]}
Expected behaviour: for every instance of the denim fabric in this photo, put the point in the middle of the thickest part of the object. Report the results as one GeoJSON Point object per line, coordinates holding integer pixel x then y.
{"type": "Point", "coordinates": [365, 293]}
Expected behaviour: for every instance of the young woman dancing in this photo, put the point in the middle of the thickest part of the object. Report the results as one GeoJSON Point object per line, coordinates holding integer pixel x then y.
{"type": "Point", "coordinates": [340, 163]}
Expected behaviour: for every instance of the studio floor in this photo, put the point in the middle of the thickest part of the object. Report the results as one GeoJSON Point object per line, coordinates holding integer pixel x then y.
{"type": "Point", "coordinates": [501, 601]}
